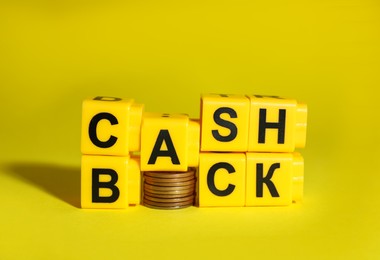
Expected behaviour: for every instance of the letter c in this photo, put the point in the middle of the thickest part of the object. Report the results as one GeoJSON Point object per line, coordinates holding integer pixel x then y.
{"type": "Point", "coordinates": [211, 179]}
{"type": "Point", "coordinates": [92, 130]}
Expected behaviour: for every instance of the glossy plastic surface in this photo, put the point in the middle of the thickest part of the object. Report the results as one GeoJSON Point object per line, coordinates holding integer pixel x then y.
{"type": "Point", "coordinates": [104, 182]}
{"type": "Point", "coordinates": [110, 126]}
{"type": "Point", "coordinates": [274, 179]}
{"type": "Point", "coordinates": [113, 175]}
{"type": "Point", "coordinates": [169, 142]}
{"type": "Point", "coordinates": [276, 124]}
{"type": "Point", "coordinates": [224, 122]}
{"type": "Point", "coordinates": [221, 179]}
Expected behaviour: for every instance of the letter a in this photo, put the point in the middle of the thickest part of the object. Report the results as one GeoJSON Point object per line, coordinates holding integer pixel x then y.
{"type": "Point", "coordinates": [164, 136]}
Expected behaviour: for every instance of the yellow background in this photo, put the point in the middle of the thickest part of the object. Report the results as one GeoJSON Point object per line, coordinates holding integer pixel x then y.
{"type": "Point", "coordinates": [164, 54]}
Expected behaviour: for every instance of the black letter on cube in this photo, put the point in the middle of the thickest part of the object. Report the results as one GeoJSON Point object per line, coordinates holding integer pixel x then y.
{"type": "Point", "coordinates": [260, 180]}
{"type": "Point", "coordinates": [92, 130]}
{"type": "Point", "coordinates": [280, 125]}
{"type": "Point", "coordinates": [211, 179]}
{"type": "Point", "coordinates": [224, 123]}
{"type": "Point", "coordinates": [97, 185]}
{"type": "Point", "coordinates": [164, 136]}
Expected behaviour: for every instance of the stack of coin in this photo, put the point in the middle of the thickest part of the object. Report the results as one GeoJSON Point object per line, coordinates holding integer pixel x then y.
{"type": "Point", "coordinates": [169, 190]}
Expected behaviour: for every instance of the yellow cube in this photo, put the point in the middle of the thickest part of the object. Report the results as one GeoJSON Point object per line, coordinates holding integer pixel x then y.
{"type": "Point", "coordinates": [169, 142]}
{"type": "Point", "coordinates": [134, 181]}
{"type": "Point", "coordinates": [110, 182]}
{"type": "Point", "coordinates": [110, 126]}
{"type": "Point", "coordinates": [221, 179]}
{"type": "Point", "coordinates": [276, 124]}
{"type": "Point", "coordinates": [225, 122]}
{"type": "Point", "coordinates": [274, 179]}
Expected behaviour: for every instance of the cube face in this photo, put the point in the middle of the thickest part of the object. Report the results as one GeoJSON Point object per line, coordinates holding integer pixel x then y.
{"type": "Point", "coordinates": [106, 127]}
{"type": "Point", "coordinates": [225, 122]}
{"type": "Point", "coordinates": [276, 124]}
{"type": "Point", "coordinates": [273, 179]}
{"type": "Point", "coordinates": [104, 182]}
{"type": "Point", "coordinates": [165, 142]}
{"type": "Point", "coordinates": [221, 179]}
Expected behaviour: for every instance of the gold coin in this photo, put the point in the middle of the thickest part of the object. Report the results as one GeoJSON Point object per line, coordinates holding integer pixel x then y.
{"type": "Point", "coordinates": [169, 175]}
{"type": "Point", "coordinates": [166, 188]}
{"type": "Point", "coordinates": [170, 192]}
{"type": "Point", "coordinates": [167, 205]}
{"type": "Point", "coordinates": [164, 192]}
{"type": "Point", "coordinates": [154, 179]}
{"type": "Point", "coordinates": [170, 184]}
{"type": "Point", "coordinates": [168, 196]}
{"type": "Point", "coordinates": [189, 199]}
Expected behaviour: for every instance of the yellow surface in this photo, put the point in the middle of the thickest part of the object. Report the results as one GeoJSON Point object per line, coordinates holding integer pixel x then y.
{"type": "Point", "coordinates": [276, 174]}
{"type": "Point", "coordinates": [165, 54]}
